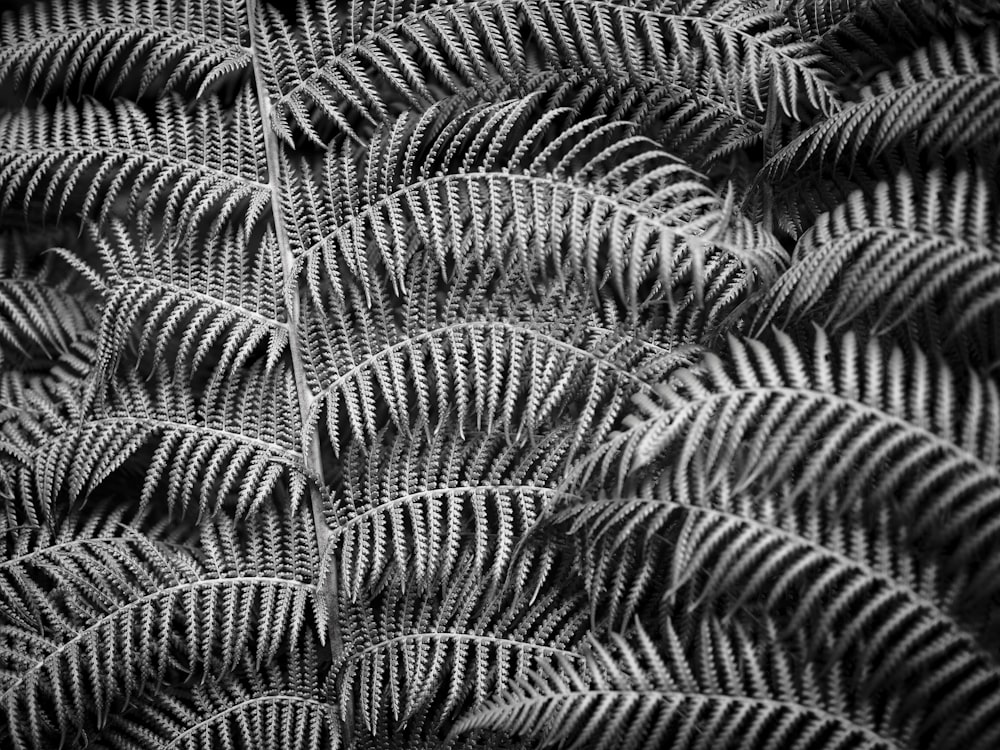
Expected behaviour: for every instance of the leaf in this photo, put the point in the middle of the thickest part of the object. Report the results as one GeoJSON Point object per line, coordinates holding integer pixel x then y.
{"type": "Point", "coordinates": [721, 686]}
{"type": "Point", "coordinates": [95, 158]}
{"type": "Point", "coordinates": [51, 47]}
{"type": "Point", "coordinates": [913, 243]}
{"type": "Point", "coordinates": [121, 611]}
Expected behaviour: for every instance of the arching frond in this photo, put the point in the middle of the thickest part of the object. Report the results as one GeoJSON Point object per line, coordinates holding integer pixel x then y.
{"type": "Point", "coordinates": [35, 405]}
{"type": "Point", "coordinates": [210, 301]}
{"type": "Point", "coordinates": [912, 243]}
{"type": "Point", "coordinates": [411, 506]}
{"type": "Point", "coordinates": [842, 415]}
{"type": "Point", "coordinates": [857, 33]}
{"type": "Point", "coordinates": [53, 47]}
{"type": "Point", "coordinates": [413, 661]}
{"type": "Point", "coordinates": [720, 685]}
{"type": "Point", "coordinates": [43, 310]}
{"type": "Point", "coordinates": [485, 350]}
{"type": "Point", "coordinates": [946, 94]}
{"type": "Point", "coordinates": [843, 579]}
{"type": "Point", "coordinates": [280, 705]}
{"type": "Point", "coordinates": [185, 171]}
{"type": "Point", "coordinates": [121, 610]}
{"type": "Point", "coordinates": [512, 181]}
{"type": "Point", "coordinates": [729, 56]}
{"type": "Point", "coordinates": [237, 449]}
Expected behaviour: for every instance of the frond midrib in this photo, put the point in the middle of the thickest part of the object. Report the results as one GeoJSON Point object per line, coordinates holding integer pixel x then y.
{"type": "Point", "coordinates": [407, 341]}
{"type": "Point", "coordinates": [287, 698]}
{"type": "Point", "coordinates": [855, 405]}
{"type": "Point", "coordinates": [705, 697]}
{"type": "Point", "coordinates": [894, 585]}
{"type": "Point", "coordinates": [66, 646]}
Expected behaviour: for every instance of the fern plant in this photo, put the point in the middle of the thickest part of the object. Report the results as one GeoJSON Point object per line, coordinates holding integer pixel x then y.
{"type": "Point", "coordinates": [499, 374]}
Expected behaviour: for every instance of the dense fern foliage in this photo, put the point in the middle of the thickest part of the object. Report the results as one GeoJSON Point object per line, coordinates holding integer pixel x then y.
{"type": "Point", "coordinates": [500, 374]}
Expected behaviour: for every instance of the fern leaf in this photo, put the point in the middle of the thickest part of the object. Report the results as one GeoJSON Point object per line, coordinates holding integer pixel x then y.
{"type": "Point", "coordinates": [122, 611]}
{"type": "Point", "coordinates": [275, 706]}
{"type": "Point", "coordinates": [721, 686]}
{"type": "Point", "coordinates": [415, 660]}
{"type": "Point", "coordinates": [944, 93]}
{"type": "Point", "coordinates": [536, 185]}
{"type": "Point", "coordinates": [52, 47]}
{"type": "Point", "coordinates": [412, 505]}
{"type": "Point", "coordinates": [175, 165]}
{"type": "Point", "coordinates": [236, 450]}
{"type": "Point", "coordinates": [841, 415]}
{"type": "Point", "coordinates": [843, 580]}
{"type": "Point", "coordinates": [43, 311]}
{"type": "Point", "coordinates": [200, 304]}
{"type": "Point", "coordinates": [487, 351]}
{"type": "Point", "coordinates": [912, 243]}
{"type": "Point", "coordinates": [726, 57]}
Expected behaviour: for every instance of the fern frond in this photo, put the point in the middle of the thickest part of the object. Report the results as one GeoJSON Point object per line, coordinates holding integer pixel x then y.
{"type": "Point", "coordinates": [727, 57]}
{"type": "Point", "coordinates": [236, 450]}
{"type": "Point", "coordinates": [912, 243]}
{"type": "Point", "coordinates": [123, 611]}
{"type": "Point", "coordinates": [53, 47]}
{"type": "Point", "coordinates": [279, 705]}
{"type": "Point", "coordinates": [412, 661]}
{"type": "Point", "coordinates": [841, 415]}
{"type": "Point", "coordinates": [487, 350]}
{"type": "Point", "coordinates": [35, 405]}
{"type": "Point", "coordinates": [175, 169]}
{"type": "Point", "coordinates": [844, 580]}
{"type": "Point", "coordinates": [513, 180]}
{"type": "Point", "coordinates": [407, 509]}
{"type": "Point", "coordinates": [720, 686]}
{"type": "Point", "coordinates": [197, 302]}
{"type": "Point", "coordinates": [43, 311]}
{"type": "Point", "coordinates": [857, 33]}
{"type": "Point", "coordinates": [945, 93]}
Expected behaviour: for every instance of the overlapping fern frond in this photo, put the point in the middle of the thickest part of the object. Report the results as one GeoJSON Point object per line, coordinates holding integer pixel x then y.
{"type": "Point", "coordinates": [185, 171]}
{"type": "Point", "coordinates": [414, 661]}
{"type": "Point", "coordinates": [720, 684]}
{"type": "Point", "coordinates": [193, 300]}
{"type": "Point", "coordinates": [726, 54]}
{"type": "Point", "coordinates": [43, 310]}
{"type": "Point", "coordinates": [540, 187]}
{"type": "Point", "coordinates": [281, 705]}
{"type": "Point", "coordinates": [912, 247]}
{"type": "Point", "coordinates": [94, 619]}
{"type": "Point", "coordinates": [61, 45]}
{"type": "Point", "coordinates": [237, 449]}
{"type": "Point", "coordinates": [407, 510]}
{"type": "Point", "coordinates": [840, 415]}
{"type": "Point", "coordinates": [946, 93]}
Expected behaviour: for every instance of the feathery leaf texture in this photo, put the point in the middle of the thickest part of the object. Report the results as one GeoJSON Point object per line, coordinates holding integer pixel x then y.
{"type": "Point", "coordinates": [931, 242]}
{"type": "Point", "coordinates": [411, 505]}
{"type": "Point", "coordinates": [946, 93]}
{"type": "Point", "coordinates": [238, 448]}
{"type": "Point", "coordinates": [840, 415]}
{"type": "Point", "coordinates": [720, 685]}
{"type": "Point", "coordinates": [567, 196]}
{"type": "Point", "coordinates": [49, 48]}
{"type": "Point", "coordinates": [728, 55]}
{"type": "Point", "coordinates": [73, 647]}
{"type": "Point", "coordinates": [190, 308]}
{"type": "Point", "coordinates": [188, 170]}
{"type": "Point", "coordinates": [418, 659]}
{"type": "Point", "coordinates": [43, 310]}
{"type": "Point", "coordinates": [277, 706]}
{"type": "Point", "coordinates": [381, 374]}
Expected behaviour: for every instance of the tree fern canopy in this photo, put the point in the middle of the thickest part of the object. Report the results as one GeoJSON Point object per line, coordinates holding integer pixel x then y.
{"type": "Point", "coordinates": [480, 374]}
